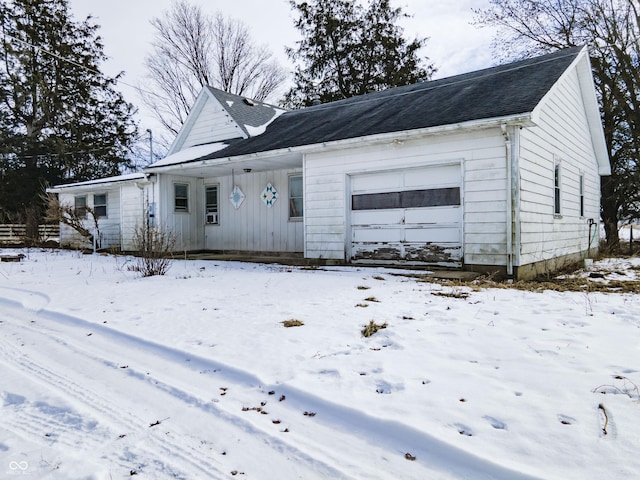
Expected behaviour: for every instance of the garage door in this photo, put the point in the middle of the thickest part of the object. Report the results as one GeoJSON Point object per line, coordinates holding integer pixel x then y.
{"type": "Point", "coordinates": [409, 216]}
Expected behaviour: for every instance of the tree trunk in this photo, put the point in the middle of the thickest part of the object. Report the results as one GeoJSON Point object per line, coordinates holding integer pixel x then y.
{"type": "Point", "coordinates": [609, 213]}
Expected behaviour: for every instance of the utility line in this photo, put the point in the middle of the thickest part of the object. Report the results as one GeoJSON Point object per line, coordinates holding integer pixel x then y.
{"type": "Point", "coordinates": [64, 59]}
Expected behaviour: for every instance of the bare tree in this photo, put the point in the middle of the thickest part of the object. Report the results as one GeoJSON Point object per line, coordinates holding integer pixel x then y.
{"type": "Point", "coordinates": [59, 212]}
{"type": "Point", "coordinates": [611, 29]}
{"type": "Point", "coordinates": [193, 49]}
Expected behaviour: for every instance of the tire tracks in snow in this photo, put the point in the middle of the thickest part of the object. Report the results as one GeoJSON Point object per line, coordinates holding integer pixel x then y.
{"type": "Point", "coordinates": [135, 430]}
{"type": "Point", "coordinates": [165, 447]}
{"type": "Point", "coordinates": [352, 429]}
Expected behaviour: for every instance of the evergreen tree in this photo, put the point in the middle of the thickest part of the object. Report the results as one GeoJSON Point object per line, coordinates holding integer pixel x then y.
{"type": "Point", "coordinates": [61, 120]}
{"type": "Point", "coordinates": [350, 50]}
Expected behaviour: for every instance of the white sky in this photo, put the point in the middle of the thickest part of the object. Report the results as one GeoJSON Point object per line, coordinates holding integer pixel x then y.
{"type": "Point", "coordinates": [455, 46]}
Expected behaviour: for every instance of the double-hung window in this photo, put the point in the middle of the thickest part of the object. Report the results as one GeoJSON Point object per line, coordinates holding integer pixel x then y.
{"type": "Point", "coordinates": [100, 205]}
{"type": "Point", "coordinates": [296, 207]}
{"type": "Point", "coordinates": [581, 187]}
{"type": "Point", "coordinates": [211, 202]}
{"type": "Point", "coordinates": [80, 206]}
{"type": "Point", "coordinates": [557, 184]}
{"type": "Point", "coordinates": [181, 197]}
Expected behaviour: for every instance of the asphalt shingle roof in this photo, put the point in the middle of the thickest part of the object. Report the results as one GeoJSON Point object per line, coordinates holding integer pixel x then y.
{"type": "Point", "coordinates": [245, 111]}
{"type": "Point", "coordinates": [501, 91]}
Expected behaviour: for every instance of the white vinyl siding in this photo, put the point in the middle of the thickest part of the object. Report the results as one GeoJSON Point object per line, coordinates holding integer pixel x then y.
{"type": "Point", "coordinates": [133, 213]}
{"type": "Point", "coordinates": [254, 227]}
{"type": "Point", "coordinates": [482, 158]}
{"type": "Point", "coordinates": [108, 224]}
{"type": "Point", "coordinates": [213, 124]}
{"type": "Point", "coordinates": [562, 132]}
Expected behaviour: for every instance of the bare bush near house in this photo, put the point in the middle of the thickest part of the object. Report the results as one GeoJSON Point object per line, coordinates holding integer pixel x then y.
{"type": "Point", "coordinates": [59, 212]}
{"type": "Point", "coordinates": [154, 248]}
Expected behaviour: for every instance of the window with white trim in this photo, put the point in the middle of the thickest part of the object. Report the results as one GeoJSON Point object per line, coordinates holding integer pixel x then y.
{"type": "Point", "coordinates": [211, 202]}
{"type": "Point", "coordinates": [581, 187]}
{"type": "Point", "coordinates": [296, 207]}
{"type": "Point", "coordinates": [181, 197]}
{"type": "Point", "coordinates": [100, 205]}
{"type": "Point", "coordinates": [80, 205]}
{"type": "Point", "coordinates": [557, 184]}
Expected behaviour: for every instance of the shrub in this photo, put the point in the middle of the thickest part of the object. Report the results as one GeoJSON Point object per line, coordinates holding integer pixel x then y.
{"type": "Point", "coordinates": [154, 248]}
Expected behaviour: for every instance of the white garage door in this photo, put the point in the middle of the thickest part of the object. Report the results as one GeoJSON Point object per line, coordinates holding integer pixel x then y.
{"type": "Point", "coordinates": [410, 216]}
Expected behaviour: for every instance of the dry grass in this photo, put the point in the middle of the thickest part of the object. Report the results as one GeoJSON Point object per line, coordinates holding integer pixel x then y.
{"type": "Point", "coordinates": [292, 323]}
{"type": "Point", "coordinates": [462, 295]}
{"type": "Point", "coordinates": [372, 328]}
{"type": "Point", "coordinates": [566, 283]}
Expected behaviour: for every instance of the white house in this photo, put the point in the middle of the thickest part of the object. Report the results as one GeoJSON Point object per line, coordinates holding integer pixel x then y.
{"type": "Point", "coordinates": [118, 202]}
{"type": "Point", "coordinates": [496, 170]}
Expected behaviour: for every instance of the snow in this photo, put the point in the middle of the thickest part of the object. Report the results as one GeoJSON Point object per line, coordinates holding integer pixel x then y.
{"type": "Point", "coordinates": [260, 129]}
{"type": "Point", "coordinates": [127, 177]}
{"type": "Point", "coordinates": [106, 374]}
{"type": "Point", "coordinates": [191, 153]}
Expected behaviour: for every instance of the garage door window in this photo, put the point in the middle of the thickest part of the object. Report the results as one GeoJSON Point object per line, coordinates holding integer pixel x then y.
{"type": "Point", "coordinates": [435, 197]}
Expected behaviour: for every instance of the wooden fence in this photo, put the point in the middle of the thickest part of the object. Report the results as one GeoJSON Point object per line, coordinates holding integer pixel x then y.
{"type": "Point", "coordinates": [15, 233]}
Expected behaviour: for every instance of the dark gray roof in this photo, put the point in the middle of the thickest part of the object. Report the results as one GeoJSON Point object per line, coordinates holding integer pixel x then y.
{"type": "Point", "coordinates": [243, 110]}
{"type": "Point", "coordinates": [501, 91]}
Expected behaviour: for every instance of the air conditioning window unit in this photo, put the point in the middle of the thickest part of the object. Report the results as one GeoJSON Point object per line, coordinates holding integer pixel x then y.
{"type": "Point", "coordinates": [211, 218]}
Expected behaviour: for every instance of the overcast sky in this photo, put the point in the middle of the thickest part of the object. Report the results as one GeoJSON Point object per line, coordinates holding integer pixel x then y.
{"type": "Point", "coordinates": [454, 45]}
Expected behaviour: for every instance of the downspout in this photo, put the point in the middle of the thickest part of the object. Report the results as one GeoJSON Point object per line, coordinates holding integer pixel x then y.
{"type": "Point", "coordinates": [509, 212]}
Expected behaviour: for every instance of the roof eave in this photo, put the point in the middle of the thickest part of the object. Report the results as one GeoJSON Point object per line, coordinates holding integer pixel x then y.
{"type": "Point", "coordinates": [96, 185]}
{"type": "Point", "coordinates": [522, 120]}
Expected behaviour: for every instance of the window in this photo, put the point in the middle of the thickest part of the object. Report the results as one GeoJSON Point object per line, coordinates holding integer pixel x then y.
{"type": "Point", "coordinates": [181, 197]}
{"type": "Point", "coordinates": [211, 204]}
{"type": "Point", "coordinates": [100, 205]}
{"type": "Point", "coordinates": [581, 186]}
{"type": "Point", "coordinates": [80, 206]}
{"type": "Point", "coordinates": [296, 207]}
{"type": "Point", "coordinates": [434, 197]}
{"type": "Point", "coordinates": [556, 189]}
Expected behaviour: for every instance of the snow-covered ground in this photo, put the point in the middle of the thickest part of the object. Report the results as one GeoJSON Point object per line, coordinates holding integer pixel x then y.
{"type": "Point", "coordinates": [106, 375]}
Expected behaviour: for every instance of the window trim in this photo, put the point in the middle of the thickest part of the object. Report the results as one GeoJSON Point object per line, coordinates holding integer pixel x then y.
{"type": "Point", "coordinates": [175, 198]}
{"type": "Point", "coordinates": [95, 206]}
{"type": "Point", "coordinates": [206, 205]}
{"type": "Point", "coordinates": [80, 212]}
{"type": "Point", "coordinates": [581, 193]}
{"type": "Point", "coordinates": [291, 198]}
{"type": "Point", "coordinates": [557, 188]}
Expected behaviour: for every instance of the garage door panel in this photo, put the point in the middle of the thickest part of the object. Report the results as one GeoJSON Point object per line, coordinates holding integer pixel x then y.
{"type": "Point", "coordinates": [433, 254]}
{"type": "Point", "coordinates": [411, 216]}
{"type": "Point", "coordinates": [377, 217]}
{"type": "Point", "coordinates": [377, 181]}
{"type": "Point", "coordinates": [440, 176]}
{"type": "Point", "coordinates": [432, 215]}
{"type": "Point", "coordinates": [434, 235]}
{"type": "Point", "coordinates": [385, 235]}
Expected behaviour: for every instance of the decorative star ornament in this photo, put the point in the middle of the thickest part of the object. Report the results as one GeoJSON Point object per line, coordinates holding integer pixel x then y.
{"type": "Point", "coordinates": [269, 195]}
